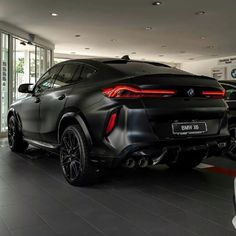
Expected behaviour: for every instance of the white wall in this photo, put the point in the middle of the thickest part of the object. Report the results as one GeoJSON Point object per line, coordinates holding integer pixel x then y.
{"type": "Point", "coordinates": [205, 67]}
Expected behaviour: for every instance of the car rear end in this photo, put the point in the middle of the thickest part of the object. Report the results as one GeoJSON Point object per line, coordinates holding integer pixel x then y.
{"type": "Point", "coordinates": [156, 116]}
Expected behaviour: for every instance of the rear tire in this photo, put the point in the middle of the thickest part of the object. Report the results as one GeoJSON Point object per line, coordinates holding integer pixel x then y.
{"type": "Point", "coordinates": [188, 160]}
{"type": "Point", "coordinates": [15, 138]}
{"type": "Point", "coordinates": [74, 158]}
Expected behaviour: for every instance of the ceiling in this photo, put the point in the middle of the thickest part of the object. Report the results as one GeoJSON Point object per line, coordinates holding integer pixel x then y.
{"type": "Point", "coordinates": [115, 28]}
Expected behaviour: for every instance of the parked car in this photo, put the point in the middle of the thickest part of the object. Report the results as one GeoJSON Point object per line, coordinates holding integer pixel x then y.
{"type": "Point", "coordinates": [100, 113]}
{"type": "Point", "coordinates": [230, 97]}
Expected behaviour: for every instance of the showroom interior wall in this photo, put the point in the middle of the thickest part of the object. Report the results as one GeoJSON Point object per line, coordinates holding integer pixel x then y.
{"type": "Point", "coordinates": [23, 59]}
{"type": "Point", "coordinates": [219, 68]}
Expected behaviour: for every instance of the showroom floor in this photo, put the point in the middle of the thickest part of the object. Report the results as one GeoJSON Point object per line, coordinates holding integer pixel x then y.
{"type": "Point", "coordinates": [35, 200]}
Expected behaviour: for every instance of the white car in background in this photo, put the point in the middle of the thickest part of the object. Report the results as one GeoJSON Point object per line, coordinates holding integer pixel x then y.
{"type": "Point", "coordinates": [234, 219]}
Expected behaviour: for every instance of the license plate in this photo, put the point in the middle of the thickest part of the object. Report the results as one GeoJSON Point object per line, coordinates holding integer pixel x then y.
{"type": "Point", "coordinates": [189, 128]}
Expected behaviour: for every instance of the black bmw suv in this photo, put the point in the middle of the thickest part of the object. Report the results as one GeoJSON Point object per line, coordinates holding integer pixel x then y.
{"type": "Point", "coordinates": [98, 113]}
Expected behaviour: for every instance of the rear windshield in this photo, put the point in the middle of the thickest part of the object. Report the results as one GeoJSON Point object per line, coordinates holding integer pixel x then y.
{"type": "Point", "coordinates": [141, 68]}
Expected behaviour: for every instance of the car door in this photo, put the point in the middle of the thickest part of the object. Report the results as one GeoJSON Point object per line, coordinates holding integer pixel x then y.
{"type": "Point", "coordinates": [53, 102]}
{"type": "Point", "coordinates": [31, 104]}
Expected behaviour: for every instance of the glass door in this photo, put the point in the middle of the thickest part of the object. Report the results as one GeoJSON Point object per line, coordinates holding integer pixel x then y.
{"type": "Point", "coordinates": [41, 62]}
{"type": "Point", "coordinates": [4, 68]}
{"type": "Point", "coordinates": [23, 65]}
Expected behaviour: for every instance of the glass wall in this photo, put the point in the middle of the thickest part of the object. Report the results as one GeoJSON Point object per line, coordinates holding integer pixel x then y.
{"type": "Point", "coordinates": [20, 62]}
{"type": "Point", "coordinates": [29, 64]}
{"type": "Point", "coordinates": [4, 60]}
{"type": "Point", "coordinates": [41, 62]}
{"type": "Point", "coordinates": [23, 65]}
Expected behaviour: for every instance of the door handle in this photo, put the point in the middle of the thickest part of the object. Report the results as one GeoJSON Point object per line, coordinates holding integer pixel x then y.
{"type": "Point", "coordinates": [62, 97]}
{"type": "Point", "coordinates": [37, 100]}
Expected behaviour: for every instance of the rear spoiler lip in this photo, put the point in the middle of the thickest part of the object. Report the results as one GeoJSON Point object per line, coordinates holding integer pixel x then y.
{"type": "Point", "coordinates": [171, 75]}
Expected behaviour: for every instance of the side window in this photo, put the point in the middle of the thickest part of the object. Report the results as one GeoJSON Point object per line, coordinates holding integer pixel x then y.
{"type": "Point", "coordinates": [87, 72]}
{"type": "Point", "coordinates": [46, 84]}
{"type": "Point", "coordinates": [46, 81]}
{"type": "Point", "coordinates": [65, 77]}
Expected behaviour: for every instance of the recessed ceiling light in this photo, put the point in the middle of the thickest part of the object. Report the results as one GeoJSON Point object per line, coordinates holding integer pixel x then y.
{"type": "Point", "coordinates": [87, 48]}
{"type": "Point", "coordinates": [200, 13]}
{"type": "Point", "coordinates": [54, 14]}
{"type": "Point", "coordinates": [77, 35]}
{"type": "Point", "coordinates": [157, 3]}
{"type": "Point", "coordinates": [148, 28]}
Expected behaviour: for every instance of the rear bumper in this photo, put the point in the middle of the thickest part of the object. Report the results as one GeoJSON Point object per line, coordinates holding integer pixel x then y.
{"type": "Point", "coordinates": [138, 129]}
{"type": "Point", "coordinates": [212, 146]}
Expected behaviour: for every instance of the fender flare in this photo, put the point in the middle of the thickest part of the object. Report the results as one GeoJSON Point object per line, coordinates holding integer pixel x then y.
{"type": "Point", "coordinates": [80, 121]}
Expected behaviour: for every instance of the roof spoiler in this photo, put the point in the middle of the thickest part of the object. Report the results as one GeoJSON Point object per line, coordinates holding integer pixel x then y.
{"type": "Point", "coordinates": [126, 57]}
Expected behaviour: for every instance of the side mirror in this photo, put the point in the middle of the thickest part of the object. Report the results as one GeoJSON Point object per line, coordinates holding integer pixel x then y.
{"type": "Point", "coordinates": [25, 88]}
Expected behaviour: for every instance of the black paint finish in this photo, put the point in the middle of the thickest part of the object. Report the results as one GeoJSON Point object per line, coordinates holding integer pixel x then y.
{"type": "Point", "coordinates": [141, 123]}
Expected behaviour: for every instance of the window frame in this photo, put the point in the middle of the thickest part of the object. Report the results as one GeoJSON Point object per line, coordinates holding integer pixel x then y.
{"type": "Point", "coordinates": [79, 67]}
{"type": "Point", "coordinates": [41, 80]}
{"type": "Point", "coordinates": [87, 65]}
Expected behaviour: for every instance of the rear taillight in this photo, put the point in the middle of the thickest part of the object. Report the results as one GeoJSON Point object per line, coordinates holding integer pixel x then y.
{"type": "Point", "coordinates": [111, 123]}
{"type": "Point", "coordinates": [125, 91]}
{"type": "Point", "coordinates": [220, 94]}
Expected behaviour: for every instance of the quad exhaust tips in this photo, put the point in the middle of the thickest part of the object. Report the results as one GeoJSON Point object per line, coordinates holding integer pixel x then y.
{"type": "Point", "coordinates": [131, 162]}
{"type": "Point", "coordinates": [144, 162]}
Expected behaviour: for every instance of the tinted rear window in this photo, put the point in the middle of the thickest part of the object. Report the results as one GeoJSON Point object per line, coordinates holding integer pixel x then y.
{"type": "Point", "coordinates": [140, 68]}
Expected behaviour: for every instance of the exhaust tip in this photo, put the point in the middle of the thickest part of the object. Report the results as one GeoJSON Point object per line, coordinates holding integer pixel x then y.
{"type": "Point", "coordinates": [130, 163]}
{"type": "Point", "coordinates": [143, 162]}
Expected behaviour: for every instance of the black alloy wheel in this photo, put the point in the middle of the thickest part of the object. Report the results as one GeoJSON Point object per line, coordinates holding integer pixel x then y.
{"type": "Point", "coordinates": [74, 157]}
{"type": "Point", "coordinates": [15, 138]}
{"type": "Point", "coordinates": [11, 132]}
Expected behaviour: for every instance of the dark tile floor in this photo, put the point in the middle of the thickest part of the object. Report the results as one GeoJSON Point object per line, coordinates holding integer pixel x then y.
{"type": "Point", "coordinates": [35, 200]}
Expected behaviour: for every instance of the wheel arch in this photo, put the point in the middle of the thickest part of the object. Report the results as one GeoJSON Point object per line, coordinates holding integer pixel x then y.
{"type": "Point", "coordinates": [13, 112]}
{"type": "Point", "coordinates": [71, 118]}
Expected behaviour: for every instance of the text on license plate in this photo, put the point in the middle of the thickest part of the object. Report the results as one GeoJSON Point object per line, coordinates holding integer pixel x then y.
{"type": "Point", "coordinates": [189, 128]}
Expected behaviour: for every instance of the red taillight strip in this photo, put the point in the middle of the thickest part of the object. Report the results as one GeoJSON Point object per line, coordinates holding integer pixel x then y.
{"type": "Point", "coordinates": [113, 92]}
{"type": "Point", "coordinates": [216, 94]}
{"type": "Point", "coordinates": [111, 123]}
{"type": "Point", "coordinates": [213, 93]}
{"type": "Point", "coordinates": [158, 91]}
